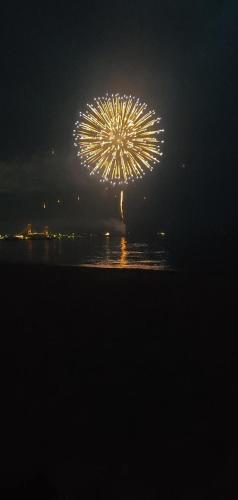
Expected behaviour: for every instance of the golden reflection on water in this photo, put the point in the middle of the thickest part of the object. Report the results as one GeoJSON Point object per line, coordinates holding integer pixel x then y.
{"type": "Point", "coordinates": [127, 256]}
{"type": "Point", "coordinates": [109, 253]}
{"type": "Point", "coordinates": [124, 253]}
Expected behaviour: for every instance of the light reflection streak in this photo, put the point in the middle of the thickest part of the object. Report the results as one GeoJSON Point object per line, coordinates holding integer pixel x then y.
{"type": "Point", "coordinates": [128, 258]}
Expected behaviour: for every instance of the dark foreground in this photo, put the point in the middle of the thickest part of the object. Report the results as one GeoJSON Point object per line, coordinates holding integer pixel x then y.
{"type": "Point", "coordinates": [118, 384]}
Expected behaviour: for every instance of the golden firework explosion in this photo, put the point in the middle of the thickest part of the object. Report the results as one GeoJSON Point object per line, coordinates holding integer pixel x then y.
{"type": "Point", "coordinates": [118, 139]}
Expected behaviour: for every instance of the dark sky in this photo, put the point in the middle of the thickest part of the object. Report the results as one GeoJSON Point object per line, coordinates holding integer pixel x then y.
{"type": "Point", "coordinates": [179, 56]}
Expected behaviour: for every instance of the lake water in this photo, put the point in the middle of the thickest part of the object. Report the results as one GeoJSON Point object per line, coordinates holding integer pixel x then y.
{"type": "Point", "coordinates": [101, 252]}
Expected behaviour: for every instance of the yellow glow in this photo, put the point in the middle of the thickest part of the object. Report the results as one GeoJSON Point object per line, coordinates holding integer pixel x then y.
{"type": "Point", "coordinates": [121, 205]}
{"type": "Point", "coordinates": [107, 234]}
{"type": "Point", "coordinates": [124, 253]}
{"type": "Point", "coordinates": [118, 138]}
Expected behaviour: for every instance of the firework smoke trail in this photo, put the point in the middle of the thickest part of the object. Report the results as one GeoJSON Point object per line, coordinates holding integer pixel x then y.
{"type": "Point", "coordinates": [121, 205]}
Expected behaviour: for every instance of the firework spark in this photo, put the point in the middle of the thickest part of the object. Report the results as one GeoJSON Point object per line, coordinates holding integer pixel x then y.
{"type": "Point", "coordinates": [121, 206]}
{"type": "Point", "coordinates": [118, 139]}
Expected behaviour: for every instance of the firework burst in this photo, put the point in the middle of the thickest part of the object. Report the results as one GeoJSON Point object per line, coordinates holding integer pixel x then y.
{"type": "Point", "coordinates": [118, 139]}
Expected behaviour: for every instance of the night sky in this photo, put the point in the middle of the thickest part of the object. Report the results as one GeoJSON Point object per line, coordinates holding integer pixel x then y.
{"type": "Point", "coordinates": [180, 57]}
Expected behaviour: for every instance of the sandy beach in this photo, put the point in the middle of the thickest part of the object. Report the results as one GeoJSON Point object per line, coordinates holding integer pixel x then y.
{"type": "Point", "coordinates": [117, 384]}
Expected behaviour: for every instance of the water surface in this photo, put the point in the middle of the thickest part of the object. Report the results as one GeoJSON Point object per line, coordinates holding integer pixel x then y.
{"type": "Point", "coordinates": [101, 252]}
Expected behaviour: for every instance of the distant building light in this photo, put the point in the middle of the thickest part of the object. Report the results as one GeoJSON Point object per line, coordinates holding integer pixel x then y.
{"type": "Point", "coordinates": [107, 234]}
